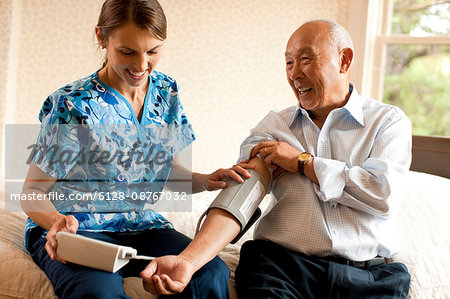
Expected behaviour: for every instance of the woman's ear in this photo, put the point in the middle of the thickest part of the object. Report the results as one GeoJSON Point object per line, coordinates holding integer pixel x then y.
{"type": "Point", "coordinates": [100, 39]}
{"type": "Point", "coordinates": [346, 59]}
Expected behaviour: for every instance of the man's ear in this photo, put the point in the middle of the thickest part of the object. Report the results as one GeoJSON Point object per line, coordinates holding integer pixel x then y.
{"type": "Point", "coordinates": [100, 39]}
{"type": "Point", "coordinates": [346, 56]}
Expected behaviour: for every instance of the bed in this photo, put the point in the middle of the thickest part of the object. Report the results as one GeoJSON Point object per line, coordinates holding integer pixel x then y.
{"type": "Point", "coordinates": [423, 222]}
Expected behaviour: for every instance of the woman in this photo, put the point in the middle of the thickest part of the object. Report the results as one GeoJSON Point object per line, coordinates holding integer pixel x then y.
{"type": "Point", "coordinates": [115, 136]}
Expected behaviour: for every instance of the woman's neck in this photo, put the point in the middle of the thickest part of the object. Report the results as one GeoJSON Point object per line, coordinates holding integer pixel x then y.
{"type": "Point", "coordinates": [134, 95]}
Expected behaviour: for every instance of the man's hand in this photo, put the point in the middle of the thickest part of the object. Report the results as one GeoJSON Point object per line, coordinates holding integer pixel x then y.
{"type": "Point", "coordinates": [167, 275]}
{"type": "Point", "coordinates": [62, 223]}
{"type": "Point", "coordinates": [218, 179]}
{"type": "Point", "coordinates": [277, 154]}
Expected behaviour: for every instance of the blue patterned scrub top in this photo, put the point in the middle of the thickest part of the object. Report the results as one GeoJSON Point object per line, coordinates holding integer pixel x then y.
{"type": "Point", "coordinates": [92, 142]}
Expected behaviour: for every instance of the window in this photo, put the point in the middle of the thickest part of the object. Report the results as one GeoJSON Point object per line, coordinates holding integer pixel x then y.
{"type": "Point", "coordinates": [405, 45]}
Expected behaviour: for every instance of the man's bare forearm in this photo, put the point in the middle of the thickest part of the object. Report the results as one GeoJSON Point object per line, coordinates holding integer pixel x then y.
{"type": "Point", "coordinates": [219, 229]}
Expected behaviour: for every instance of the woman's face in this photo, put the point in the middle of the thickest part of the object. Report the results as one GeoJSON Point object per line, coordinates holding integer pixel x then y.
{"type": "Point", "coordinates": [132, 53]}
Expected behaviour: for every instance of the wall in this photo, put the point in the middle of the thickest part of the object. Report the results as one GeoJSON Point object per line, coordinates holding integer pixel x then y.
{"type": "Point", "coordinates": [6, 13]}
{"type": "Point", "coordinates": [228, 57]}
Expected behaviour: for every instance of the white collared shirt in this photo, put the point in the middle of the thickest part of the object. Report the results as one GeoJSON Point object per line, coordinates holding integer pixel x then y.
{"type": "Point", "coordinates": [361, 155]}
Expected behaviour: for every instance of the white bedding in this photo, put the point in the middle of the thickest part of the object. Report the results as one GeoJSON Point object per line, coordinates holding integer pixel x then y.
{"type": "Point", "coordinates": [424, 224]}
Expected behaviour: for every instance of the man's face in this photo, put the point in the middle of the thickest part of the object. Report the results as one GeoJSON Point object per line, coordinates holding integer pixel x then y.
{"type": "Point", "coordinates": [313, 68]}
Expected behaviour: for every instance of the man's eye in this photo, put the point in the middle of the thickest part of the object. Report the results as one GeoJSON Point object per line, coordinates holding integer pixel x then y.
{"type": "Point", "coordinates": [305, 58]}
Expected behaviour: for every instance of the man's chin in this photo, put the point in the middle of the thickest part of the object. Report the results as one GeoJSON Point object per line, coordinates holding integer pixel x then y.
{"type": "Point", "coordinates": [307, 104]}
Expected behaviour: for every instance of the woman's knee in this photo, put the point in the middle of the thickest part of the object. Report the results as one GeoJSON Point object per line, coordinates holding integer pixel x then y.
{"type": "Point", "coordinates": [211, 281]}
{"type": "Point", "coordinates": [90, 284]}
{"type": "Point", "coordinates": [218, 269]}
{"type": "Point", "coordinates": [95, 292]}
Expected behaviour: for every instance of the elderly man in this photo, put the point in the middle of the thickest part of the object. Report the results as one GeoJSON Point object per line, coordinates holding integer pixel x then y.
{"type": "Point", "coordinates": [337, 160]}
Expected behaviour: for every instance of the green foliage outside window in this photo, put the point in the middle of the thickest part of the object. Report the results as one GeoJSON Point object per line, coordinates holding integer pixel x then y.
{"type": "Point", "coordinates": [417, 77]}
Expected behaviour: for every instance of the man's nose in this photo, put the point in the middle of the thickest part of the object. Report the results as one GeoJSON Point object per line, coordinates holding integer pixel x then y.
{"type": "Point", "coordinates": [296, 71]}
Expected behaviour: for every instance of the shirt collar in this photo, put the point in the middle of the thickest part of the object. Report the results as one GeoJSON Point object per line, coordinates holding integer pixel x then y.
{"type": "Point", "coordinates": [353, 106]}
{"type": "Point", "coordinates": [298, 111]}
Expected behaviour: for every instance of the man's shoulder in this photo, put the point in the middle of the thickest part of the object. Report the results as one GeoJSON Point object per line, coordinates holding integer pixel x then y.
{"type": "Point", "coordinates": [285, 114]}
{"type": "Point", "coordinates": [376, 109]}
{"type": "Point", "coordinates": [370, 105]}
{"type": "Point", "coordinates": [288, 111]}
{"type": "Point", "coordinates": [279, 117]}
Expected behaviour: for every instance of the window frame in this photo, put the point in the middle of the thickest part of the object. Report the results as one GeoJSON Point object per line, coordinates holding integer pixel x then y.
{"type": "Point", "coordinates": [370, 28]}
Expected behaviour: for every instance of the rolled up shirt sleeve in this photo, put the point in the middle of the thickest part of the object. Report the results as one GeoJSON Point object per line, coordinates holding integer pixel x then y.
{"type": "Point", "coordinates": [370, 185]}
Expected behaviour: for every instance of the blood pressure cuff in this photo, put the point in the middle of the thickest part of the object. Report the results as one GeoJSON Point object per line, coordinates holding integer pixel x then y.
{"type": "Point", "coordinates": [242, 200]}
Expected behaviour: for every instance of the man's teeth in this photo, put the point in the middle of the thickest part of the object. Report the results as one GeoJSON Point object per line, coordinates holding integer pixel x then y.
{"type": "Point", "coordinates": [137, 74]}
{"type": "Point", "coordinates": [303, 90]}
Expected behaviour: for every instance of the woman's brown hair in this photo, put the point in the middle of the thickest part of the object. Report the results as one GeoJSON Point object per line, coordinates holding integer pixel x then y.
{"type": "Point", "coordinates": [147, 14]}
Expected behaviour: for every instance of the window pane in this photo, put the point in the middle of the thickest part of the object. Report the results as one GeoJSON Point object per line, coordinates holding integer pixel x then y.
{"type": "Point", "coordinates": [421, 17]}
{"type": "Point", "coordinates": [417, 79]}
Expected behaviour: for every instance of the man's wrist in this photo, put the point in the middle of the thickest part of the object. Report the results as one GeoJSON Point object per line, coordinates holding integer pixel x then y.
{"type": "Point", "coordinates": [193, 259]}
{"type": "Point", "coordinates": [302, 160]}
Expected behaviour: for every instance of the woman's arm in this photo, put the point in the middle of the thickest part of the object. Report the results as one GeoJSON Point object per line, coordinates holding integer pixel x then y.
{"type": "Point", "coordinates": [43, 212]}
{"type": "Point", "coordinates": [201, 182]}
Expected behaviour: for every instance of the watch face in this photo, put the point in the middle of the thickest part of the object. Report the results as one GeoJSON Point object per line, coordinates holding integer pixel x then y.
{"type": "Point", "coordinates": [304, 157]}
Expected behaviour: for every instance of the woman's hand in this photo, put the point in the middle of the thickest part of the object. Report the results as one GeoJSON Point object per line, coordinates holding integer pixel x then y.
{"type": "Point", "coordinates": [218, 179]}
{"type": "Point", "coordinates": [61, 223]}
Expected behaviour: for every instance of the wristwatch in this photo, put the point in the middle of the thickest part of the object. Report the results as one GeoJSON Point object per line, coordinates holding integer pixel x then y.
{"type": "Point", "coordinates": [302, 159]}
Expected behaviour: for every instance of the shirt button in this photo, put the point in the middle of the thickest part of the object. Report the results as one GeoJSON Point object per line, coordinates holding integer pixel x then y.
{"type": "Point", "coordinates": [322, 140]}
{"type": "Point", "coordinates": [335, 231]}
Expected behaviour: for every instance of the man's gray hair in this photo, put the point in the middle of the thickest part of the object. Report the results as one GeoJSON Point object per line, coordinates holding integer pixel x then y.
{"type": "Point", "coordinates": [341, 38]}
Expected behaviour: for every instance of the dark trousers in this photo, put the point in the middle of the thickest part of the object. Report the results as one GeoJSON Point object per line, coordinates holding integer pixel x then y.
{"type": "Point", "coordinates": [74, 281]}
{"type": "Point", "coordinates": [267, 270]}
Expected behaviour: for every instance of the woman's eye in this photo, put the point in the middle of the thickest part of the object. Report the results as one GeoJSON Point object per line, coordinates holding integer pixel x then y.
{"type": "Point", "coordinates": [126, 53]}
